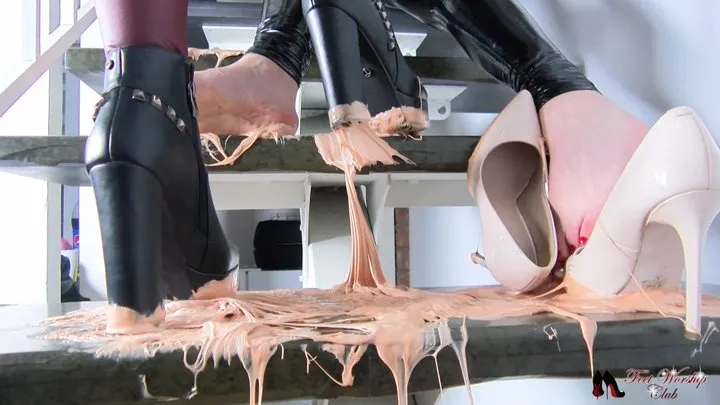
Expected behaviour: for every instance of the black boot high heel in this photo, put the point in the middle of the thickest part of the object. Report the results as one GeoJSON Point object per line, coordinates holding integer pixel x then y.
{"type": "Point", "coordinates": [160, 233]}
{"type": "Point", "coordinates": [502, 38]}
{"type": "Point", "coordinates": [361, 62]}
{"type": "Point", "coordinates": [612, 385]}
{"type": "Point", "coordinates": [283, 37]}
{"type": "Point", "coordinates": [597, 381]}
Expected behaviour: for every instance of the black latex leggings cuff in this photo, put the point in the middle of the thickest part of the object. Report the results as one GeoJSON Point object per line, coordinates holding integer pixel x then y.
{"type": "Point", "coordinates": [547, 76]}
{"type": "Point", "coordinates": [288, 50]}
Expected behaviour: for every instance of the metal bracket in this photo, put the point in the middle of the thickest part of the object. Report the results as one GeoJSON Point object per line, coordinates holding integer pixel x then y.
{"type": "Point", "coordinates": [440, 99]}
{"type": "Point", "coordinates": [410, 42]}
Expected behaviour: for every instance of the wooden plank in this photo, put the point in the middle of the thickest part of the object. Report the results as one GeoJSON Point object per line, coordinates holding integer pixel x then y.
{"type": "Point", "coordinates": [450, 69]}
{"type": "Point", "coordinates": [88, 64]}
{"type": "Point", "coordinates": [60, 158]}
{"type": "Point", "coordinates": [33, 372]}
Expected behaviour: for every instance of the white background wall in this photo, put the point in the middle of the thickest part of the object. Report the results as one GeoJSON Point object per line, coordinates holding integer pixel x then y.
{"type": "Point", "coordinates": [23, 213]}
{"type": "Point", "coordinates": [646, 55]}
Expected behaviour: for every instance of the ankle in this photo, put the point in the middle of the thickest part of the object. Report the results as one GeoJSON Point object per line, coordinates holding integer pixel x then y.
{"type": "Point", "coordinates": [547, 76]}
{"type": "Point", "coordinates": [150, 69]}
{"type": "Point", "coordinates": [286, 47]}
{"type": "Point", "coordinates": [129, 23]}
{"type": "Point", "coordinates": [265, 66]}
{"type": "Point", "coordinates": [256, 60]}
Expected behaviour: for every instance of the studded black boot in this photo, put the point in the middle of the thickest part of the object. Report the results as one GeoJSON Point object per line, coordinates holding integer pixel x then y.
{"type": "Point", "coordinates": [160, 233]}
{"type": "Point", "coordinates": [360, 60]}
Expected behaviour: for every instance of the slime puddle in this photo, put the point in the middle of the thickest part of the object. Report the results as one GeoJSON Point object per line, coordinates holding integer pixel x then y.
{"type": "Point", "coordinates": [405, 325]}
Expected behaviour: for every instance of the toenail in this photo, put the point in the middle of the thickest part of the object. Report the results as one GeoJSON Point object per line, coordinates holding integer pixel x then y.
{"type": "Point", "coordinates": [582, 242]}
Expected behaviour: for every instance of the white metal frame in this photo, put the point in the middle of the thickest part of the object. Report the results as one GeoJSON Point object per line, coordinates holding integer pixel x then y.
{"type": "Point", "coordinates": [46, 50]}
{"type": "Point", "coordinates": [50, 27]}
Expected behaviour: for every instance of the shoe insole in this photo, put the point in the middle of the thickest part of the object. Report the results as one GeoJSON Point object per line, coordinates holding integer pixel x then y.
{"type": "Point", "coordinates": [512, 177]}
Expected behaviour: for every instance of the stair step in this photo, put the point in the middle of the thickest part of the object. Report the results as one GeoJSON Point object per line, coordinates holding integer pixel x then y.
{"type": "Point", "coordinates": [59, 159]}
{"type": "Point", "coordinates": [88, 64]}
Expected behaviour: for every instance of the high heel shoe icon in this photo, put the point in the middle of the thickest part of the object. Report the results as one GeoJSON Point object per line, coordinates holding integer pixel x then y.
{"type": "Point", "coordinates": [507, 176]}
{"type": "Point", "coordinates": [611, 385]}
{"type": "Point", "coordinates": [656, 218]}
{"type": "Point", "coordinates": [597, 381]}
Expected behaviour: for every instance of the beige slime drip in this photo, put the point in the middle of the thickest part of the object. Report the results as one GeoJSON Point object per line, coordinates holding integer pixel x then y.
{"type": "Point", "coordinates": [350, 148]}
{"type": "Point", "coordinates": [404, 325]}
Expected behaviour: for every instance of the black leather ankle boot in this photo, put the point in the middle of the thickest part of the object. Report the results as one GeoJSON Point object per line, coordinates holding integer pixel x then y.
{"type": "Point", "coordinates": [359, 57]}
{"type": "Point", "coordinates": [160, 232]}
{"type": "Point", "coordinates": [502, 38]}
{"type": "Point", "coordinates": [283, 37]}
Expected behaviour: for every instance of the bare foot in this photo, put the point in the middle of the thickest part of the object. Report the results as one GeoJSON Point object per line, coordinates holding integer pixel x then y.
{"type": "Point", "coordinates": [252, 97]}
{"type": "Point", "coordinates": [590, 141]}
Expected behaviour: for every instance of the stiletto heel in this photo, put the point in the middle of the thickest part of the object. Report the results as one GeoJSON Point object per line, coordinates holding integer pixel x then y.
{"type": "Point", "coordinates": [364, 72]}
{"type": "Point", "coordinates": [690, 215]}
{"type": "Point", "coordinates": [335, 33]}
{"type": "Point", "coordinates": [130, 203]}
{"type": "Point", "coordinates": [656, 218]}
{"type": "Point", "coordinates": [612, 385]}
{"type": "Point", "coordinates": [507, 173]}
{"type": "Point", "coordinates": [597, 382]}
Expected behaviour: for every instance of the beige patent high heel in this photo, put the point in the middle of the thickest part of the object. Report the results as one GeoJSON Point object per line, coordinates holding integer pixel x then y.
{"type": "Point", "coordinates": [507, 176]}
{"type": "Point", "coordinates": [656, 218]}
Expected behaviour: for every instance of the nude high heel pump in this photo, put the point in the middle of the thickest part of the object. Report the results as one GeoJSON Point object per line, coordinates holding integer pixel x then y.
{"type": "Point", "coordinates": [507, 174]}
{"type": "Point", "coordinates": [656, 218]}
